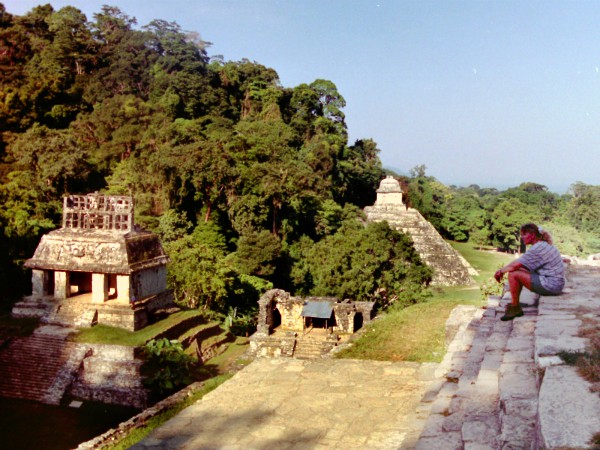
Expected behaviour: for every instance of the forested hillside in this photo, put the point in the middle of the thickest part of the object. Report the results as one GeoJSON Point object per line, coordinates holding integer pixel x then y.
{"type": "Point", "coordinates": [249, 184]}
{"type": "Point", "coordinates": [489, 217]}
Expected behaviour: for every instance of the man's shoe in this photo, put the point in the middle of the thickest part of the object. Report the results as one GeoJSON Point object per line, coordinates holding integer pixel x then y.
{"type": "Point", "coordinates": [512, 312]}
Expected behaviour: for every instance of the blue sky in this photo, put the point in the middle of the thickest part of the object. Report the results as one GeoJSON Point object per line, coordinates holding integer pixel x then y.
{"type": "Point", "coordinates": [492, 93]}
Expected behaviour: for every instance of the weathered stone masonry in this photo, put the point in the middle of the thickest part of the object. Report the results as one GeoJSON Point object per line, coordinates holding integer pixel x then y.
{"type": "Point", "coordinates": [449, 267]}
{"type": "Point", "coordinates": [292, 316]}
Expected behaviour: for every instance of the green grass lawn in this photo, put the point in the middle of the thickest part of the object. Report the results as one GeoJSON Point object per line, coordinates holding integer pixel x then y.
{"type": "Point", "coordinates": [102, 334]}
{"type": "Point", "coordinates": [417, 333]}
{"type": "Point", "coordinates": [486, 262]}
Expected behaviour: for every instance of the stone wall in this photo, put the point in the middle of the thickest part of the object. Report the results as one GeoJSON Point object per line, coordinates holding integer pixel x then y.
{"type": "Point", "coordinates": [122, 316]}
{"type": "Point", "coordinates": [152, 281]}
{"type": "Point", "coordinates": [291, 313]}
{"type": "Point", "coordinates": [272, 346]}
{"type": "Point", "coordinates": [346, 312]}
{"type": "Point", "coordinates": [110, 374]}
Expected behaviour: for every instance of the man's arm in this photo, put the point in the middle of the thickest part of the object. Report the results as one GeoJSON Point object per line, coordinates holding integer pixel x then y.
{"type": "Point", "coordinates": [510, 267]}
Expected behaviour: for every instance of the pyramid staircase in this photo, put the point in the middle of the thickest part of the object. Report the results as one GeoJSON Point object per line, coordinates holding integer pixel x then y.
{"type": "Point", "coordinates": [450, 268]}
{"type": "Point", "coordinates": [39, 367]}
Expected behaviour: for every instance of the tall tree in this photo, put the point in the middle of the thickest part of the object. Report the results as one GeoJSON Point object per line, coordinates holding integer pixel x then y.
{"type": "Point", "coordinates": [359, 171]}
{"type": "Point", "coordinates": [507, 218]}
{"type": "Point", "coordinates": [124, 57]}
{"type": "Point", "coordinates": [373, 263]}
{"type": "Point", "coordinates": [584, 208]}
{"type": "Point", "coordinates": [181, 67]}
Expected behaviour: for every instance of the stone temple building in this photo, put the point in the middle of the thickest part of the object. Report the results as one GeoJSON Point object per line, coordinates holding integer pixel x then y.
{"type": "Point", "coordinates": [449, 267]}
{"type": "Point", "coordinates": [305, 327]}
{"type": "Point", "coordinates": [99, 268]}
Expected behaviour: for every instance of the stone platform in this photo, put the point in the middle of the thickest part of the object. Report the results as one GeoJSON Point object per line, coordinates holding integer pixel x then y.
{"type": "Point", "coordinates": [503, 385]}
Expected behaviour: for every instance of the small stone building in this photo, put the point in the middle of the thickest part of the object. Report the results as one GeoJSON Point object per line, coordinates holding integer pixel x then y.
{"type": "Point", "coordinates": [449, 267]}
{"type": "Point", "coordinates": [286, 322]}
{"type": "Point", "coordinates": [98, 268]}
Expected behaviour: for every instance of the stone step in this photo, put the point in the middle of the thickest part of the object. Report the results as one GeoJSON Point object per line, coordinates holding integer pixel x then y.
{"type": "Point", "coordinates": [30, 365]}
{"type": "Point", "coordinates": [30, 307]}
{"type": "Point", "coordinates": [518, 385]}
{"type": "Point", "coordinates": [448, 406]}
{"type": "Point", "coordinates": [487, 394]}
{"type": "Point", "coordinates": [312, 348]}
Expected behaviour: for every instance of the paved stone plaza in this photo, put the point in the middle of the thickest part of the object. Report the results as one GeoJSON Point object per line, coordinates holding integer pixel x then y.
{"type": "Point", "coordinates": [288, 403]}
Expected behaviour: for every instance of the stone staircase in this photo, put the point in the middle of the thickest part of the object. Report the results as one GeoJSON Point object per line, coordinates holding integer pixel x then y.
{"type": "Point", "coordinates": [34, 367]}
{"type": "Point", "coordinates": [493, 389]}
{"type": "Point", "coordinates": [36, 307]}
{"type": "Point", "coordinates": [72, 312]}
{"type": "Point", "coordinates": [488, 396]}
{"type": "Point", "coordinates": [308, 347]}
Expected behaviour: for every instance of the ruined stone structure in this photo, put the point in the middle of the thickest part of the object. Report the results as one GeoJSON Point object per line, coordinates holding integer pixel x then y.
{"type": "Point", "coordinates": [449, 267]}
{"type": "Point", "coordinates": [109, 374]}
{"type": "Point", "coordinates": [287, 324]}
{"type": "Point", "coordinates": [98, 268]}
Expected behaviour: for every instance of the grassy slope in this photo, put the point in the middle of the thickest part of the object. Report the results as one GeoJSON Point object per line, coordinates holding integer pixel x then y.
{"type": "Point", "coordinates": [102, 334]}
{"type": "Point", "coordinates": [417, 333]}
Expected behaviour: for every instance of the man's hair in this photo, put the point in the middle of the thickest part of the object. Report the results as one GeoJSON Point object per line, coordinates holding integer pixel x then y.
{"type": "Point", "coordinates": [537, 232]}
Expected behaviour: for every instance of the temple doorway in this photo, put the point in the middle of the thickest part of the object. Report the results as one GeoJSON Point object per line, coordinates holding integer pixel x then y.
{"type": "Point", "coordinates": [320, 322]}
{"type": "Point", "coordinates": [358, 321]}
{"type": "Point", "coordinates": [48, 282]}
{"type": "Point", "coordinates": [80, 283]}
{"type": "Point", "coordinates": [276, 320]}
{"type": "Point", "coordinates": [112, 287]}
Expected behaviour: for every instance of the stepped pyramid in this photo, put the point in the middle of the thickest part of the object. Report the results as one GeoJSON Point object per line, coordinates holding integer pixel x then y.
{"type": "Point", "coordinates": [449, 267]}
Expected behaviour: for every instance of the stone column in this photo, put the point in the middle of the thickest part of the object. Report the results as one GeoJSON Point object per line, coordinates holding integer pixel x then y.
{"type": "Point", "coordinates": [99, 288]}
{"type": "Point", "coordinates": [123, 289]}
{"type": "Point", "coordinates": [37, 283]}
{"type": "Point", "coordinates": [61, 285]}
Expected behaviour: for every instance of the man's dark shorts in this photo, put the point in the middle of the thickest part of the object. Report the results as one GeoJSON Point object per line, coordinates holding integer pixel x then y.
{"type": "Point", "coordinates": [537, 287]}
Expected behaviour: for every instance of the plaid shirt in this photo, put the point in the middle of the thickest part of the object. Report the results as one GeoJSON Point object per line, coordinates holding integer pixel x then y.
{"type": "Point", "coordinates": [545, 260]}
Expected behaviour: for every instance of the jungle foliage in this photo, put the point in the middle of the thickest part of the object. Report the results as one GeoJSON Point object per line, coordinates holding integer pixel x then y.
{"type": "Point", "coordinates": [489, 217]}
{"type": "Point", "coordinates": [249, 184]}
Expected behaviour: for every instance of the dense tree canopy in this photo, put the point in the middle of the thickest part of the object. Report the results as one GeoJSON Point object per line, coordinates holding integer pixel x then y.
{"type": "Point", "coordinates": [105, 105]}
